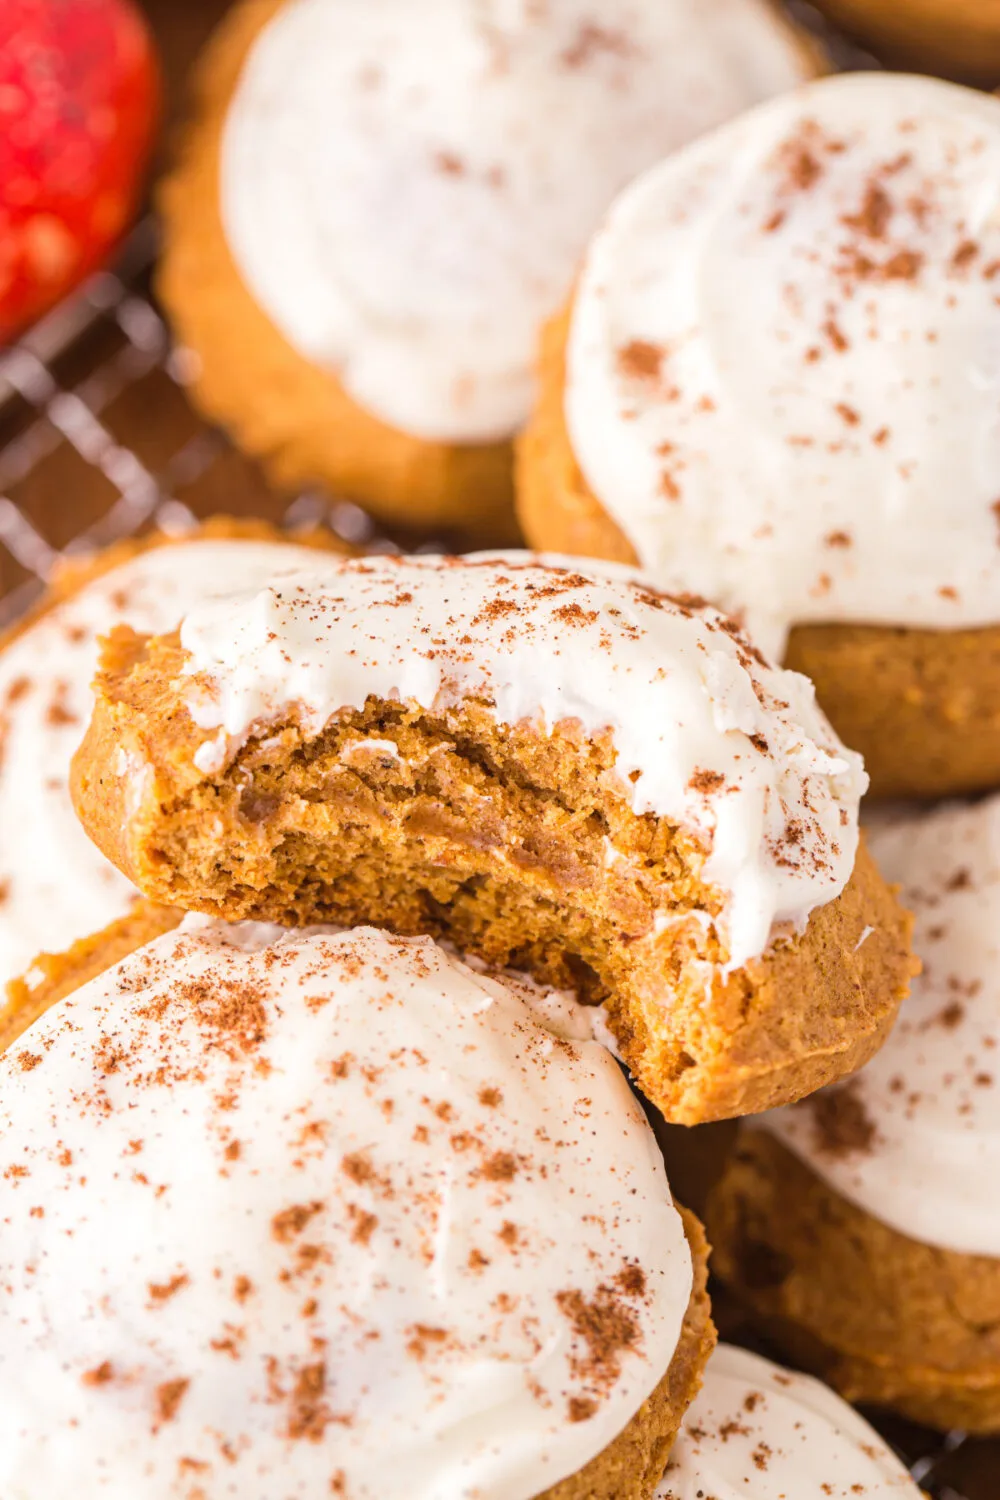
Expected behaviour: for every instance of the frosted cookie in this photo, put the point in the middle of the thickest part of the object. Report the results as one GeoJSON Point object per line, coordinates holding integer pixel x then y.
{"type": "Point", "coordinates": [757, 1430]}
{"type": "Point", "coordinates": [960, 40]}
{"type": "Point", "coordinates": [897, 1299]}
{"type": "Point", "coordinates": [54, 886]}
{"type": "Point", "coordinates": [776, 387]}
{"type": "Point", "coordinates": [562, 771]}
{"type": "Point", "coordinates": [377, 206]}
{"type": "Point", "coordinates": [382, 1225]}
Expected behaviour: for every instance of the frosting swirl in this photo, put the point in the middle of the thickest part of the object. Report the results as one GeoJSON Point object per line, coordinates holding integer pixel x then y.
{"type": "Point", "coordinates": [463, 125]}
{"type": "Point", "coordinates": [785, 357]}
{"type": "Point", "coordinates": [325, 1212]}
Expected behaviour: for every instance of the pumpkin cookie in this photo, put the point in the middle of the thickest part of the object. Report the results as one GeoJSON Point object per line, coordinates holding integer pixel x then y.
{"type": "Point", "coordinates": [761, 1431]}
{"type": "Point", "coordinates": [563, 771]}
{"type": "Point", "coordinates": [272, 1122]}
{"type": "Point", "coordinates": [377, 206]}
{"type": "Point", "coordinates": [54, 886]}
{"type": "Point", "coordinates": [776, 387]}
{"type": "Point", "coordinates": [863, 1225]}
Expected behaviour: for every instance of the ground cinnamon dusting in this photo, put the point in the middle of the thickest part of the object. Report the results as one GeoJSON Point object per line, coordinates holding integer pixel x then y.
{"type": "Point", "coordinates": [841, 1122]}
{"type": "Point", "coordinates": [310, 1415]}
{"type": "Point", "coordinates": [500, 1167]}
{"type": "Point", "coordinates": [592, 41]}
{"type": "Point", "coordinates": [707, 781]}
{"type": "Point", "coordinates": [640, 360]}
{"type": "Point", "coordinates": [607, 1327]}
{"type": "Point", "coordinates": [291, 1221]}
{"type": "Point", "coordinates": [163, 1291]}
{"type": "Point", "coordinates": [169, 1396]}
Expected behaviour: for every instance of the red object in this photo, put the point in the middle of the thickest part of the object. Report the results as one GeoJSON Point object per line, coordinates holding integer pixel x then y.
{"type": "Point", "coordinates": [79, 102]}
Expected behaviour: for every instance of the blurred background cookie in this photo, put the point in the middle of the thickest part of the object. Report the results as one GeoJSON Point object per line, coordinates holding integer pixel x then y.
{"type": "Point", "coordinates": [376, 207]}
{"type": "Point", "coordinates": [862, 1228]}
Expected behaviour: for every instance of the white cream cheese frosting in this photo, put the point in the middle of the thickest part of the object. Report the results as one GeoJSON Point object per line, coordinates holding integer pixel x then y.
{"type": "Point", "coordinates": [914, 1138]}
{"type": "Point", "coordinates": [322, 1213]}
{"type": "Point", "coordinates": [784, 360]}
{"type": "Point", "coordinates": [706, 732]}
{"type": "Point", "coordinates": [758, 1432]}
{"type": "Point", "coordinates": [406, 189]}
{"type": "Point", "coordinates": [54, 885]}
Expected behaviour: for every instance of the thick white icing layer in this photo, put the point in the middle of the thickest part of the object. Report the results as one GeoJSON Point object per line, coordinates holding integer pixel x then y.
{"type": "Point", "coordinates": [922, 1148]}
{"type": "Point", "coordinates": [54, 885]}
{"type": "Point", "coordinates": [756, 1430]}
{"type": "Point", "coordinates": [784, 361]}
{"type": "Point", "coordinates": [407, 188]}
{"type": "Point", "coordinates": [706, 732]}
{"type": "Point", "coordinates": [322, 1213]}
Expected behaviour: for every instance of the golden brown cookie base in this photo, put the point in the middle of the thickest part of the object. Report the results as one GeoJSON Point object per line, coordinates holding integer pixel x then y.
{"type": "Point", "coordinates": [293, 416]}
{"type": "Point", "coordinates": [884, 1318]}
{"type": "Point", "coordinates": [495, 838]}
{"type": "Point", "coordinates": [631, 1467]}
{"type": "Point", "coordinates": [958, 40]}
{"type": "Point", "coordinates": [922, 706]}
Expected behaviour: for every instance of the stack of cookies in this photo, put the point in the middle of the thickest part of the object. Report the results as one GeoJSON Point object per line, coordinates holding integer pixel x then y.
{"type": "Point", "coordinates": [326, 1136]}
{"type": "Point", "coordinates": [361, 916]}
